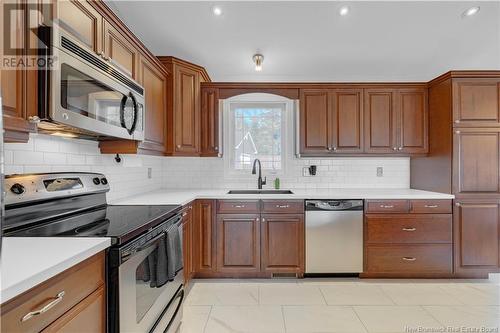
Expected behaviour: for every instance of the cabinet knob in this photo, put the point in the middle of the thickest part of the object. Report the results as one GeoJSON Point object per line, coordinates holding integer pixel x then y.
{"type": "Point", "coordinates": [216, 148]}
{"type": "Point", "coordinates": [178, 146]}
{"type": "Point", "coordinates": [394, 148]}
{"type": "Point", "coordinates": [457, 132]}
{"type": "Point", "coordinates": [400, 148]}
{"type": "Point", "coordinates": [457, 121]}
{"type": "Point", "coordinates": [457, 204]}
{"type": "Point", "coordinates": [334, 148]}
{"type": "Point", "coordinates": [329, 148]}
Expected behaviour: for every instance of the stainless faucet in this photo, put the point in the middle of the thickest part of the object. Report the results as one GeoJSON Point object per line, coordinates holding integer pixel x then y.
{"type": "Point", "coordinates": [260, 182]}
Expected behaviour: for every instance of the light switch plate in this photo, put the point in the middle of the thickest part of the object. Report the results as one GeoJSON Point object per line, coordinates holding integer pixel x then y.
{"type": "Point", "coordinates": [380, 172]}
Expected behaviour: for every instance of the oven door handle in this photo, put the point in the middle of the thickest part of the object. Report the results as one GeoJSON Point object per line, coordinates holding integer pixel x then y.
{"type": "Point", "coordinates": [124, 257]}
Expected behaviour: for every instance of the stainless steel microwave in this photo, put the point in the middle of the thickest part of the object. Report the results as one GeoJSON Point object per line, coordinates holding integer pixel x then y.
{"type": "Point", "coordinates": [87, 95]}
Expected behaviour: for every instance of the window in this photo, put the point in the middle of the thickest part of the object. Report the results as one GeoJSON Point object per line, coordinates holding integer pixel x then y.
{"type": "Point", "coordinates": [256, 131]}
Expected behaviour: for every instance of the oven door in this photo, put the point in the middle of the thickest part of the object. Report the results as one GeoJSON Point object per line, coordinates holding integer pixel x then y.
{"type": "Point", "coordinates": [85, 97]}
{"type": "Point", "coordinates": [146, 308]}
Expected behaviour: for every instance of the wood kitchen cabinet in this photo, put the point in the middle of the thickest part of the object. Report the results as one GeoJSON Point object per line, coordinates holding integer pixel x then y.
{"type": "Point", "coordinates": [477, 160]}
{"type": "Point", "coordinates": [210, 122]}
{"type": "Point", "coordinates": [204, 237]}
{"type": "Point", "coordinates": [188, 242]}
{"type": "Point", "coordinates": [396, 121]}
{"type": "Point", "coordinates": [238, 243]}
{"type": "Point", "coordinates": [283, 237]}
{"type": "Point", "coordinates": [183, 106]}
{"type": "Point", "coordinates": [477, 236]}
{"type": "Point", "coordinates": [331, 121]}
{"type": "Point", "coordinates": [408, 238]}
{"type": "Point", "coordinates": [18, 86]}
{"type": "Point", "coordinates": [476, 102]}
{"type": "Point", "coordinates": [79, 296]}
{"type": "Point", "coordinates": [120, 50]}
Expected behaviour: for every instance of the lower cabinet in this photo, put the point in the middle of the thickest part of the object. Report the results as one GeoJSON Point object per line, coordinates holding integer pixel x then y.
{"type": "Point", "coordinates": [408, 238]}
{"type": "Point", "coordinates": [78, 302]}
{"type": "Point", "coordinates": [238, 243]}
{"type": "Point", "coordinates": [477, 237]}
{"type": "Point", "coordinates": [282, 237]}
{"type": "Point", "coordinates": [238, 238]}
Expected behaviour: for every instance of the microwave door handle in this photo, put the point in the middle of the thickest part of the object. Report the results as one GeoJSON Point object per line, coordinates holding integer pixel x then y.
{"type": "Point", "coordinates": [122, 113]}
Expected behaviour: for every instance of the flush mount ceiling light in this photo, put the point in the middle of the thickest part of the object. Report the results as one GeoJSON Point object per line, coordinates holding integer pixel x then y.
{"type": "Point", "coordinates": [217, 11]}
{"type": "Point", "coordinates": [258, 59]}
{"type": "Point", "coordinates": [344, 10]}
{"type": "Point", "coordinates": [471, 11]}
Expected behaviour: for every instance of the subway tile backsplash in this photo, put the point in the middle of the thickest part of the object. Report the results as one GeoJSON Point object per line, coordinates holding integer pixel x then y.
{"type": "Point", "coordinates": [45, 153]}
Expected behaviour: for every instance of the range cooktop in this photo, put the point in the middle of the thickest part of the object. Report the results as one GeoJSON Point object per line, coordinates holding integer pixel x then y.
{"type": "Point", "coordinates": [121, 223]}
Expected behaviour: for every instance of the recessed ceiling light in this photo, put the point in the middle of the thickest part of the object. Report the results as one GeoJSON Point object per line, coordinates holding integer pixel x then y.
{"type": "Point", "coordinates": [344, 10]}
{"type": "Point", "coordinates": [217, 11]}
{"type": "Point", "coordinates": [471, 11]}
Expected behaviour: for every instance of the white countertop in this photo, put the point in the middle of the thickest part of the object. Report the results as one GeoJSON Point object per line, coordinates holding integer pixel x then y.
{"type": "Point", "coordinates": [184, 196]}
{"type": "Point", "coordinates": [29, 261]}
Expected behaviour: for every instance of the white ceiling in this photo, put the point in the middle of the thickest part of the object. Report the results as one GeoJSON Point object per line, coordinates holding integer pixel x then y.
{"type": "Point", "coordinates": [309, 41]}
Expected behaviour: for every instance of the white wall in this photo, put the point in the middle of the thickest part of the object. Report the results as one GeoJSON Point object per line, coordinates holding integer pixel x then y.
{"type": "Point", "coordinates": [45, 153]}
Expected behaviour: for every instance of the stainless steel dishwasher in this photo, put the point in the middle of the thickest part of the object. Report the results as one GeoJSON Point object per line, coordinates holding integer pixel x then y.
{"type": "Point", "coordinates": [334, 236]}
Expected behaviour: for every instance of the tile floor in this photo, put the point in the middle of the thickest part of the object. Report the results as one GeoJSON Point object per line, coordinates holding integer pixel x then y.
{"type": "Point", "coordinates": [342, 305]}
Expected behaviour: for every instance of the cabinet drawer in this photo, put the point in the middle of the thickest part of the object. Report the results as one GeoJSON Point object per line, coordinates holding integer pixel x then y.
{"type": "Point", "coordinates": [283, 206]}
{"type": "Point", "coordinates": [431, 206]}
{"type": "Point", "coordinates": [238, 206]}
{"type": "Point", "coordinates": [409, 258]}
{"type": "Point", "coordinates": [387, 206]}
{"type": "Point", "coordinates": [77, 283]}
{"type": "Point", "coordinates": [409, 228]}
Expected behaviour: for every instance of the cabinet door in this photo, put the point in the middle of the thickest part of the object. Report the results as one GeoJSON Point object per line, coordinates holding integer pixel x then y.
{"type": "Point", "coordinates": [186, 111]}
{"type": "Point", "coordinates": [476, 236]}
{"type": "Point", "coordinates": [413, 123]}
{"type": "Point", "coordinates": [204, 236]}
{"type": "Point", "coordinates": [87, 316]}
{"type": "Point", "coordinates": [82, 21]}
{"type": "Point", "coordinates": [476, 102]}
{"type": "Point", "coordinates": [282, 245]}
{"type": "Point", "coordinates": [380, 121]}
{"type": "Point", "coordinates": [238, 243]}
{"type": "Point", "coordinates": [347, 119]}
{"type": "Point", "coordinates": [315, 122]}
{"type": "Point", "coordinates": [476, 161]}
{"type": "Point", "coordinates": [154, 82]}
{"type": "Point", "coordinates": [17, 104]}
{"type": "Point", "coordinates": [120, 50]}
{"type": "Point", "coordinates": [210, 145]}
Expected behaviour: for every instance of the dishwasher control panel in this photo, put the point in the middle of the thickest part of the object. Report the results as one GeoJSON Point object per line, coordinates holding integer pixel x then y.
{"type": "Point", "coordinates": [334, 204]}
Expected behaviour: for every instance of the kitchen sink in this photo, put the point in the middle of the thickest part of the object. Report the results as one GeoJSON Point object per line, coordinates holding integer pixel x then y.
{"type": "Point", "coordinates": [260, 192]}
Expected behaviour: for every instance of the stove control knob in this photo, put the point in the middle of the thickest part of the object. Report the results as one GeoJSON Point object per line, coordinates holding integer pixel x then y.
{"type": "Point", "coordinates": [17, 189]}
{"type": "Point", "coordinates": [96, 181]}
{"type": "Point", "coordinates": [104, 181]}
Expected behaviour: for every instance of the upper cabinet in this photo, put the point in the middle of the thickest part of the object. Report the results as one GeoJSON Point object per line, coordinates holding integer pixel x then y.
{"type": "Point", "coordinates": [476, 102]}
{"type": "Point", "coordinates": [363, 121]}
{"type": "Point", "coordinates": [380, 121]}
{"type": "Point", "coordinates": [81, 20]}
{"type": "Point", "coordinates": [120, 50]}
{"type": "Point", "coordinates": [210, 122]}
{"type": "Point", "coordinates": [183, 107]}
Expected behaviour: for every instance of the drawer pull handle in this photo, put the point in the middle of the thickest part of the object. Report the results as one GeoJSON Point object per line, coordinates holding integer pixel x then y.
{"type": "Point", "coordinates": [184, 214]}
{"type": "Point", "coordinates": [46, 308]}
{"type": "Point", "coordinates": [282, 206]}
{"type": "Point", "coordinates": [409, 229]}
{"type": "Point", "coordinates": [409, 258]}
{"type": "Point", "coordinates": [431, 206]}
{"type": "Point", "coordinates": [386, 206]}
{"type": "Point", "coordinates": [239, 206]}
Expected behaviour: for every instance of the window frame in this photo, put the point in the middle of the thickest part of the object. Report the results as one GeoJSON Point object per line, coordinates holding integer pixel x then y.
{"type": "Point", "coordinates": [259, 100]}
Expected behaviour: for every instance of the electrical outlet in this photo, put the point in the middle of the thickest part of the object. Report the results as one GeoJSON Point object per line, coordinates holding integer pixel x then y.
{"type": "Point", "coordinates": [150, 173]}
{"type": "Point", "coordinates": [380, 172]}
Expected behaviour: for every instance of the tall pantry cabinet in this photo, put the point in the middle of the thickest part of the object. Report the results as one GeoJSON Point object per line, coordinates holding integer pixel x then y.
{"type": "Point", "coordinates": [464, 159]}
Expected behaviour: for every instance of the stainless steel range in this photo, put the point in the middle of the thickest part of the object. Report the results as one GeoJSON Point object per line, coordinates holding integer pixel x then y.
{"type": "Point", "coordinates": [144, 263]}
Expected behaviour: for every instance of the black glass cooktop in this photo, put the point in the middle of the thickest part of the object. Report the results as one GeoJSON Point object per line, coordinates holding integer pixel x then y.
{"type": "Point", "coordinates": [121, 223]}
